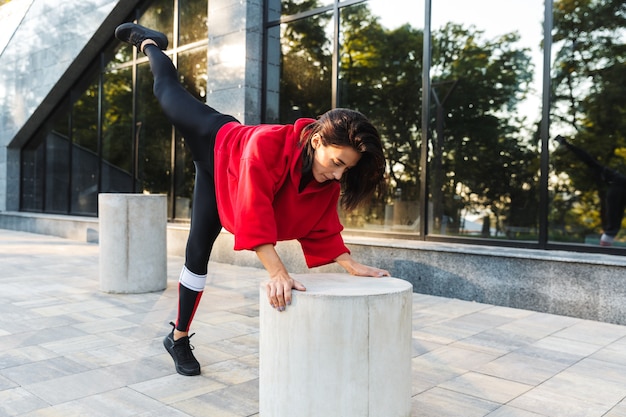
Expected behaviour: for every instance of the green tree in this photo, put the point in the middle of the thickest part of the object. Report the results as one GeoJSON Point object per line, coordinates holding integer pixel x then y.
{"type": "Point", "coordinates": [479, 147]}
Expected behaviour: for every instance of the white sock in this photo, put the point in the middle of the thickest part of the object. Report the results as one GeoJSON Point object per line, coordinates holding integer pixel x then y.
{"type": "Point", "coordinates": [192, 281]}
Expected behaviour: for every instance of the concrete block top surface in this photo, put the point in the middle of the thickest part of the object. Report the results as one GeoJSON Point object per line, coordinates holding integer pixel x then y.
{"type": "Point", "coordinates": [340, 285]}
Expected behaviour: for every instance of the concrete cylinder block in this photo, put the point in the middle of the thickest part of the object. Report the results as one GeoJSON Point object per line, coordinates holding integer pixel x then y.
{"type": "Point", "coordinates": [133, 247]}
{"type": "Point", "coordinates": [343, 348]}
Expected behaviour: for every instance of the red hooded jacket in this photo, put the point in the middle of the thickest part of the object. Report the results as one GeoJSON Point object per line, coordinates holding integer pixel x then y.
{"type": "Point", "coordinates": [257, 176]}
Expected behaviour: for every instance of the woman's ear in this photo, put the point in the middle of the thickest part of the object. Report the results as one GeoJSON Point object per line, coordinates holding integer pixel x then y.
{"type": "Point", "coordinates": [316, 140]}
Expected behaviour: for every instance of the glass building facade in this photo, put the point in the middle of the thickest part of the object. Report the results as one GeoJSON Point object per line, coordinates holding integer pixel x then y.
{"type": "Point", "coordinates": [468, 105]}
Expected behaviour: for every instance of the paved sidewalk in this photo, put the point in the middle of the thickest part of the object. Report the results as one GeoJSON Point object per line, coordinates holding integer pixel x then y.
{"type": "Point", "coordinates": [67, 349]}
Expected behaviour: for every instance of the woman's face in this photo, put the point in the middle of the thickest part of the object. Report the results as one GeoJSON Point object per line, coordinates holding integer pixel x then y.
{"type": "Point", "coordinates": [330, 162]}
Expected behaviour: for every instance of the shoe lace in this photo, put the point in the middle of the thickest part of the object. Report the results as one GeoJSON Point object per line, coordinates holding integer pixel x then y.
{"type": "Point", "coordinates": [183, 349]}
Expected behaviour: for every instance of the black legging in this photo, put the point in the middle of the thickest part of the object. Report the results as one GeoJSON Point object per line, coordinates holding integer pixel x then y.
{"type": "Point", "coordinates": [199, 125]}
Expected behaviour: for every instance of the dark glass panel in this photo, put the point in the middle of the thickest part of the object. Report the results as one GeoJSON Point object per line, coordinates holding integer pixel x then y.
{"type": "Point", "coordinates": [484, 154]}
{"type": "Point", "coordinates": [117, 132]}
{"type": "Point", "coordinates": [380, 74]}
{"type": "Point", "coordinates": [192, 69]}
{"type": "Point", "coordinates": [193, 21]}
{"type": "Point", "coordinates": [32, 183]}
{"type": "Point", "coordinates": [85, 161]}
{"type": "Point", "coordinates": [154, 138]}
{"type": "Point", "coordinates": [57, 172]}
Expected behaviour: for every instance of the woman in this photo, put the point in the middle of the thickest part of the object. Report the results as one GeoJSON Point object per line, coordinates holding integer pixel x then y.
{"type": "Point", "coordinates": [264, 184]}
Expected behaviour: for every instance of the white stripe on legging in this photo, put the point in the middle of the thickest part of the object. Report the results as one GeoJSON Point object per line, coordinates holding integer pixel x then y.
{"type": "Point", "coordinates": [192, 281]}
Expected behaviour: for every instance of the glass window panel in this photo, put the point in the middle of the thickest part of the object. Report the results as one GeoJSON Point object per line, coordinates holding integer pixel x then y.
{"type": "Point", "coordinates": [380, 74]}
{"type": "Point", "coordinates": [587, 185]}
{"type": "Point", "coordinates": [85, 160]}
{"type": "Point", "coordinates": [32, 172]}
{"type": "Point", "coordinates": [305, 68]}
{"type": "Point", "coordinates": [485, 108]}
{"type": "Point", "coordinates": [117, 132]}
{"type": "Point", "coordinates": [193, 21]}
{"type": "Point", "coordinates": [154, 136]}
{"type": "Point", "coordinates": [57, 172]}
{"type": "Point", "coordinates": [192, 70]}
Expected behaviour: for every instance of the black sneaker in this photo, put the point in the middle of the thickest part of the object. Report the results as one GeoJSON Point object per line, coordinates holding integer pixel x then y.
{"type": "Point", "coordinates": [186, 363]}
{"type": "Point", "coordinates": [135, 35]}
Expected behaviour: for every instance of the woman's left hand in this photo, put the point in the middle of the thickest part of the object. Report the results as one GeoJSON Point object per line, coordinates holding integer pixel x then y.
{"type": "Point", "coordinates": [355, 268]}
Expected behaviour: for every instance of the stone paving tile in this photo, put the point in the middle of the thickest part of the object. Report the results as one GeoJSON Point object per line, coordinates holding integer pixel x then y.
{"type": "Point", "coordinates": [99, 325]}
{"type": "Point", "coordinates": [232, 372]}
{"type": "Point", "coordinates": [459, 357]}
{"type": "Point", "coordinates": [556, 404]}
{"type": "Point", "coordinates": [568, 346]}
{"type": "Point", "coordinates": [522, 368]}
{"type": "Point", "coordinates": [593, 332]}
{"type": "Point", "coordinates": [614, 373]}
{"type": "Point", "coordinates": [239, 400]}
{"type": "Point", "coordinates": [426, 375]}
{"type": "Point", "coordinates": [37, 324]}
{"type": "Point", "coordinates": [508, 411]}
{"type": "Point", "coordinates": [490, 388]}
{"type": "Point", "coordinates": [121, 402]}
{"type": "Point", "coordinates": [75, 386]}
{"type": "Point", "coordinates": [240, 345]}
{"type": "Point", "coordinates": [78, 344]}
{"type": "Point", "coordinates": [6, 383]}
{"type": "Point", "coordinates": [613, 353]}
{"type": "Point", "coordinates": [21, 356]}
{"type": "Point", "coordinates": [495, 341]}
{"type": "Point", "coordinates": [174, 388]}
{"type": "Point", "coordinates": [68, 349]}
{"type": "Point", "coordinates": [43, 370]}
{"type": "Point", "coordinates": [16, 401]}
{"type": "Point", "coordinates": [585, 383]}
{"type": "Point", "coordinates": [618, 411]}
{"type": "Point", "coordinates": [163, 411]}
{"type": "Point", "coordinates": [510, 312]}
{"type": "Point", "coordinates": [438, 402]}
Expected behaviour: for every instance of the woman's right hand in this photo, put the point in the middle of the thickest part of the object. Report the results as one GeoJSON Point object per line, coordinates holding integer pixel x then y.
{"type": "Point", "coordinates": [280, 284]}
{"type": "Point", "coordinates": [279, 291]}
